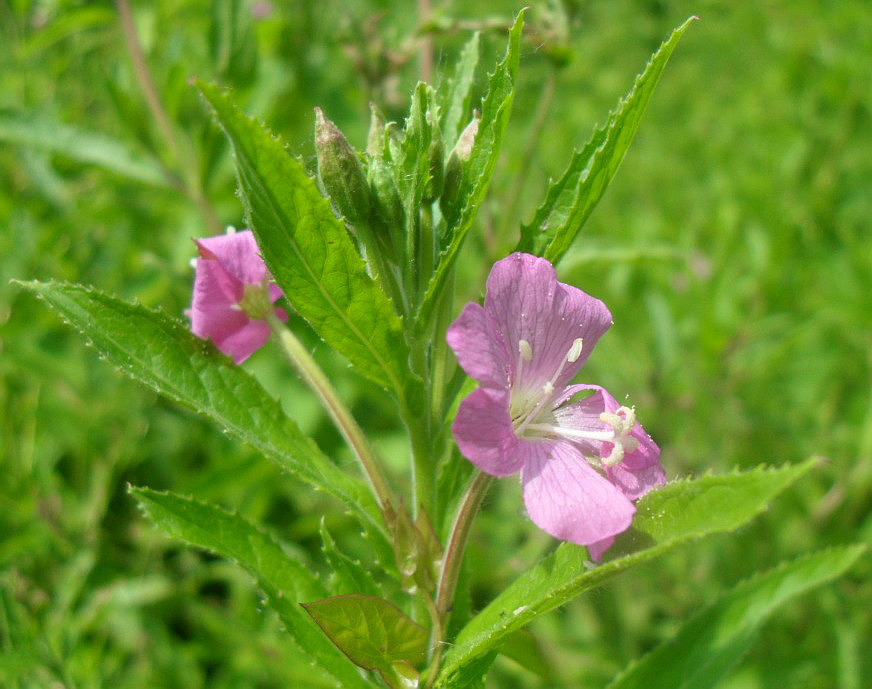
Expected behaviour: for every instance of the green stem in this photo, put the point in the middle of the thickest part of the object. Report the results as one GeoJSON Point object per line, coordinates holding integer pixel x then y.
{"type": "Point", "coordinates": [381, 267]}
{"type": "Point", "coordinates": [426, 248]}
{"type": "Point", "coordinates": [440, 357]}
{"type": "Point", "coordinates": [423, 464]}
{"type": "Point", "coordinates": [453, 559]}
{"type": "Point", "coordinates": [315, 378]}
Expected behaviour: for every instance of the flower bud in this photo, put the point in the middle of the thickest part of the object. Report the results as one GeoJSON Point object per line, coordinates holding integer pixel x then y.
{"type": "Point", "coordinates": [375, 140]}
{"type": "Point", "coordinates": [340, 170]}
{"type": "Point", "coordinates": [386, 198]}
{"type": "Point", "coordinates": [459, 155]}
{"type": "Point", "coordinates": [436, 156]}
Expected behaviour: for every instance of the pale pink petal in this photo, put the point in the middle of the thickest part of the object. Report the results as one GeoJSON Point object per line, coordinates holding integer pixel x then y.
{"type": "Point", "coordinates": [478, 348]}
{"type": "Point", "coordinates": [275, 292]}
{"type": "Point", "coordinates": [596, 550]}
{"type": "Point", "coordinates": [244, 342]}
{"type": "Point", "coordinates": [567, 498]}
{"type": "Point", "coordinates": [525, 301]}
{"type": "Point", "coordinates": [640, 471]}
{"type": "Point", "coordinates": [484, 434]}
{"type": "Point", "coordinates": [213, 309]}
{"type": "Point", "coordinates": [239, 255]}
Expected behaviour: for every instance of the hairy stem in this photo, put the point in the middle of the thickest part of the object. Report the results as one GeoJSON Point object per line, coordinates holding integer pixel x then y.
{"type": "Point", "coordinates": [453, 559]}
{"type": "Point", "coordinates": [316, 379]}
{"type": "Point", "coordinates": [423, 474]}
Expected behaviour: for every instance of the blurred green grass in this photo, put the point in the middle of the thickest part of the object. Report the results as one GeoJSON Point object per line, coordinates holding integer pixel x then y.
{"type": "Point", "coordinates": [733, 249]}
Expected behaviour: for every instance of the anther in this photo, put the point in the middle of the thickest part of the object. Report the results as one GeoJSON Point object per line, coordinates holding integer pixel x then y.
{"type": "Point", "coordinates": [575, 350]}
{"type": "Point", "coordinates": [525, 350]}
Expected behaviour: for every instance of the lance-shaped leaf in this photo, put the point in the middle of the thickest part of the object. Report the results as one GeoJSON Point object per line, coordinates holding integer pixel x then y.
{"type": "Point", "coordinates": [458, 92]}
{"type": "Point", "coordinates": [665, 518]}
{"type": "Point", "coordinates": [349, 576]}
{"type": "Point", "coordinates": [161, 352]}
{"type": "Point", "coordinates": [477, 171]}
{"type": "Point", "coordinates": [374, 634]}
{"type": "Point", "coordinates": [284, 580]}
{"type": "Point", "coordinates": [309, 252]}
{"type": "Point", "coordinates": [707, 646]}
{"type": "Point", "coordinates": [571, 199]}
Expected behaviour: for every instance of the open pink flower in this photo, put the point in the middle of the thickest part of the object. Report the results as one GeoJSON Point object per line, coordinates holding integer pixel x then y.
{"type": "Point", "coordinates": [582, 463]}
{"type": "Point", "coordinates": [233, 294]}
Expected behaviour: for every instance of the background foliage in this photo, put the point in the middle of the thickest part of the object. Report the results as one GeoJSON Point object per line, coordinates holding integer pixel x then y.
{"type": "Point", "coordinates": [733, 250]}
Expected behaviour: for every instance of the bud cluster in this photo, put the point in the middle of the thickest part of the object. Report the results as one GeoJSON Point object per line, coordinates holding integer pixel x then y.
{"type": "Point", "coordinates": [401, 194]}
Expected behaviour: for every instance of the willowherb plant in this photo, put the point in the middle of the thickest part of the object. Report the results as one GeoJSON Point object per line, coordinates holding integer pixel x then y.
{"type": "Point", "coordinates": [366, 255]}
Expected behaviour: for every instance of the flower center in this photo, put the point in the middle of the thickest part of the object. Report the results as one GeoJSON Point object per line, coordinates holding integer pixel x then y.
{"type": "Point", "coordinates": [530, 407]}
{"type": "Point", "coordinates": [533, 415]}
{"type": "Point", "coordinates": [255, 302]}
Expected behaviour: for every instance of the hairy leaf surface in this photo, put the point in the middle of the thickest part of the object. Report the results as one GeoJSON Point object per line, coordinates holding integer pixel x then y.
{"type": "Point", "coordinates": [309, 252]}
{"type": "Point", "coordinates": [665, 518]}
{"type": "Point", "coordinates": [285, 581]}
{"type": "Point", "coordinates": [162, 353]}
{"type": "Point", "coordinates": [707, 646]}
{"type": "Point", "coordinates": [571, 199]}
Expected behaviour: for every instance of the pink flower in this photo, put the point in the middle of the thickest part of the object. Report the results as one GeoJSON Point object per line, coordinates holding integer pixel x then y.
{"type": "Point", "coordinates": [233, 294]}
{"type": "Point", "coordinates": [582, 463]}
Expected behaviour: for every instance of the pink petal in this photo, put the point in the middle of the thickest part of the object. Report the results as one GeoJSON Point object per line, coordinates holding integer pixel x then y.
{"type": "Point", "coordinates": [478, 349]}
{"type": "Point", "coordinates": [567, 498]}
{"type": "Point", "coordinates": [640, 471]}
{"type": "Point", "coordinates": [483, 431]}
{"type": "Point", "coordinates": [216, 293]}
{"type": "Point", "coordinates": [596, 550]}
{"type": "Point", "coordinates": [238, 254]}
{"type": "Point", "coordinates": [244, 342]}
{"type": "Point", "coordinates": [526, 302]}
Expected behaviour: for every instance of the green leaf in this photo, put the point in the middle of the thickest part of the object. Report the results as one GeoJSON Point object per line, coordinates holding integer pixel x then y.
{"type": "Point", "coordinates": [458, 92]}
{"type": "Point", "coordinates": [526, 650]}
{"type": "Point", "coordinates": [707, 646]}
{"type": "Point", "coordinates": [91, 148]}
{"type": "Point", "coordinates": [161, 352]}
{"type": "Point", "coordinates": [284, 580]}
{"type": "Point", "coordinates": [374, 634]}
{"type": "Point", "coordinates": [412, 170]}
{"type": "Point", "coordinates": [349, 576]}
{"type": "Point", "coordinates": [477, 171]}
{"type": "Point", "coordinates": [666, 518]}
{"type": "Point", "coordinates": [309, 252]}
{"type": "Point", "coordinates": [570, 201]}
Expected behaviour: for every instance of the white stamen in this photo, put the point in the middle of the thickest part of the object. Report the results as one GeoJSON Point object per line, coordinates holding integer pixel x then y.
{"type": "Point", "coordinates": [575, 350]}
{"type": "Point", "coordinates": [574, 433]}
{"type": "Point", "coordinates": [230, 230]}
{"type": "Point", "coordinates": [193, 263]}
{"type": "Point", "coordinates": [525, 350]}
{"type": "Point", "coordinates": [622, 422]}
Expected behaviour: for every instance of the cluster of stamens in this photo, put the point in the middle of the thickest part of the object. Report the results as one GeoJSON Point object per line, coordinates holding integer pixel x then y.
{"type": "Point", "coordinates": [532, 415]}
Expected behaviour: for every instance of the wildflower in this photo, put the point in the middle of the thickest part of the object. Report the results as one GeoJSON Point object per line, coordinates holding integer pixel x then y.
{"type": "Point", "coordinates": [233, 294]}
{"type": "Point", "coordinates": [581, 463]}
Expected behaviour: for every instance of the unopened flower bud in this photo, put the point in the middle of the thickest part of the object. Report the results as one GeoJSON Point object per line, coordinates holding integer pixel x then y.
{"type": "Point", "coordinates": [375, 140]}
{"type": "Point", "coordinates": [340, 170]}
{"type": "Point", "coordinates": [436, 156]}
{"type": "Point", "coordinates": [386, 198]}
{"type": "Point", "coordinates": [459, 155]}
